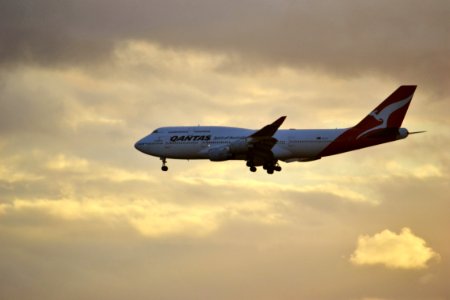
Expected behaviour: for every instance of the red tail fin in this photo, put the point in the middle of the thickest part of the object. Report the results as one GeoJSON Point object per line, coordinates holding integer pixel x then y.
{"type": "Point", "coordinates": [380, 126]}
{"type": "Point", "coordinates": [390, 113]}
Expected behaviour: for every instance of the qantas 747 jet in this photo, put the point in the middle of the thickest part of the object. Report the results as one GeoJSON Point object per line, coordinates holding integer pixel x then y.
{"type": "Point", "coordinates": [269, 145]}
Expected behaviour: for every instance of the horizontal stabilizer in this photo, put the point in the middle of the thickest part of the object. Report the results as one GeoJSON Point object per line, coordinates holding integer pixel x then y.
{"type": "Point", "coordinates": [415, 132]}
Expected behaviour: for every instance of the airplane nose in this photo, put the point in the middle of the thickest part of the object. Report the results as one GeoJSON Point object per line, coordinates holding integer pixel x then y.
{"type": "Point", "coordinates": [139, 146]}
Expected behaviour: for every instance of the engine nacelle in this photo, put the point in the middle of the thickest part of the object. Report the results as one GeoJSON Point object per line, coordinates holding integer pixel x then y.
{"type": "Point", "coordinates": [239, 147]}
{"type": "Point", "coordinates": [219, 154]}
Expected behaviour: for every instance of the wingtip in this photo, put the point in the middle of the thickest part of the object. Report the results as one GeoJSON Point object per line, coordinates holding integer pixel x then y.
{"type": "Point", "coordinates": [280, 120]}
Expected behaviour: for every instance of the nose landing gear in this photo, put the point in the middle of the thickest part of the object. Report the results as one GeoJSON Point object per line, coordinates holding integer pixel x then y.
{"type": "Point", "coordinates": [164, 167]}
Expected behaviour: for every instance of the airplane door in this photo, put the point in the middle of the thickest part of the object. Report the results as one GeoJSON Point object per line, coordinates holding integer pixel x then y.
{"type": "Point", "coordinates": [165, 139]}
{"type": "Point", "coordinates": [291, 141]}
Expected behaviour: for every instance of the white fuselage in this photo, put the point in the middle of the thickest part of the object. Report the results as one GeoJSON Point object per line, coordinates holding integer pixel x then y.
{"type": "Point", "coordinates": [196, 142]}
{"type": "Point", "coordinates": [270, 144]}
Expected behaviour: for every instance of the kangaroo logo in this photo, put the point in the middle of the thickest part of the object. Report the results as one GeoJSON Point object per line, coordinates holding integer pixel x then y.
{"type": "Point", "coordinates": [384, 114]}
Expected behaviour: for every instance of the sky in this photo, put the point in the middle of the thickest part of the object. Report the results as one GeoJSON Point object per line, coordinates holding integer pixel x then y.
{"type": "Point", "coordinates": [83, 215]}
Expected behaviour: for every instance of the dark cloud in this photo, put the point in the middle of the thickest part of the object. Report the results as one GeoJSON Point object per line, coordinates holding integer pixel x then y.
{"type": "Point", "coordinates": [406, 40]}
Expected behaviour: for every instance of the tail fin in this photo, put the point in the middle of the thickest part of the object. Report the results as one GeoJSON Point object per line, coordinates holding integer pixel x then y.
{"type": "Point", "coordinates": [382, 125]}
{"type": "Point", "coordinates": [389, 114]}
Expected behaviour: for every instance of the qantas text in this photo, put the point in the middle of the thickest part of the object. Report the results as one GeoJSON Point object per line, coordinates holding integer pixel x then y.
{"type": "Point", "coordinates": [178, 138]}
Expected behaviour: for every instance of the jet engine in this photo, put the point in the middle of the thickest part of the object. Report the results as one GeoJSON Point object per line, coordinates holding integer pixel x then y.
{"type": "Point", "coordinates": [227, 152]}
{"type": "Point", "coordinates": [219, 154]}
{"type": "Point", "coordinates": [239, 147]}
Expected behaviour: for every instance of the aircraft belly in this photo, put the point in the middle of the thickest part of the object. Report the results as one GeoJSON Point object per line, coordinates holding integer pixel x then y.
{"type": "Point", "coordinates": [307, 149]}
{"type": "Point", "coordinates": [280, 152]}
{"type": "Point", "coordinates": [315, 148]}
{"type": "Point", "coordinates": [183, 151]}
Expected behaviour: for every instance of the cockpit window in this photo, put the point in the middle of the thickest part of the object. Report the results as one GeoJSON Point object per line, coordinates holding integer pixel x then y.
{"type": "Point", "coordinates": [155, 131]}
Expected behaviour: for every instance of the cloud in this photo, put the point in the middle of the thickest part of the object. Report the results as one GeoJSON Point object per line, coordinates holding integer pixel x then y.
{"type": "Point", "coordinates": [424, 171]}
{"type": "Point", "coordinates": [398, 251]}
{"type": "Point", "coordinates": [149, 218]}
{"type": "Point", "coordinates": [11, 175]}
{"type": "Point", "coordinates": [405, 41]}
{"type": "Point", "coordinates": [62, 162]}
{"type": "Point", "coordinates": [82, 168]}
{"type": "Point", "coordinates": [97, 219]}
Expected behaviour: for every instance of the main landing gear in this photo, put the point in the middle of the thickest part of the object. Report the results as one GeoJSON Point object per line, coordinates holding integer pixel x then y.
{"type": "Point", "coordinates": [269, 167]}
{"type": "Point", "coordinates": [164, 167]}
{"type": "Point", "coordinates": [251, 165]}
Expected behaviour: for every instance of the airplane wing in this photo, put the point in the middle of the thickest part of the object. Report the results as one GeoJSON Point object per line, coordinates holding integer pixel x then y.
{"type": "Point", "coordinates": [269, 130]}
{"type": "Point", "coordinates": [262, 141]}
{"type": "Point", "coordinates": [256, 148]}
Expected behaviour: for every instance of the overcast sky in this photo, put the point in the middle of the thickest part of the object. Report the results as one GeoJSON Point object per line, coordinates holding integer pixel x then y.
{"type": "Point", "coordinates": [83, 215]}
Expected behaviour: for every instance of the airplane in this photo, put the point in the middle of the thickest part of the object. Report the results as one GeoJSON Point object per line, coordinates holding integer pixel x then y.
{"type": "Point", "coordinates": [269, 145]}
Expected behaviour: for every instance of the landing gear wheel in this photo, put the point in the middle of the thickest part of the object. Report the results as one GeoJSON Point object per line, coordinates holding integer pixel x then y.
{"type": "Point", "coordinates": [164, 167]}
{"type": "Point", "coordinates": [253, 169]}
{"type": "Point", "coordinates": [277, 168]}
{"type": "Point", "coordinates": [269, 171]}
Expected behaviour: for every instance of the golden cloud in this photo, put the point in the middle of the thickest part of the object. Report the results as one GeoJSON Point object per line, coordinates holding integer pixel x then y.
{"type": "Point", "coordinates": [10, 173]}
{"type": "Point", "coordinates": [150, 218]}
{"type": "Point", "coordinates": [398, 251]}
{"type": "Point", "coordinates": [344, 193]}
{"type": "Point", "coordinates": [405, 169]}
{"type": "Point", "coordinates": [62, 162]}
{"type": "Point", "coordinates": [93, 170]}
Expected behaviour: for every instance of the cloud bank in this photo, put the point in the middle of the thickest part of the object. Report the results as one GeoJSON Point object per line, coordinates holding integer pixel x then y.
{"type": "Point", "coordinates": [407, 41]}
{"type": "Point", "coordinates": [84, 215]}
